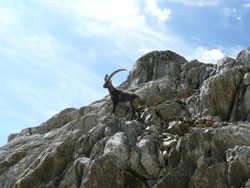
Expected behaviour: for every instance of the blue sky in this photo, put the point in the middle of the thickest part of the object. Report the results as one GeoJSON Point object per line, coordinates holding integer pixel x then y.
{"type": "Point", "coordinates": [55, 53]}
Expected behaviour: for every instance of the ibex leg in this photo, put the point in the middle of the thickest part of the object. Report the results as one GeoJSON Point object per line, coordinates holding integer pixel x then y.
{"type": "Point", "coordinates": [133, 110]}
{"type": "Point", "coordinates": [114, 106]}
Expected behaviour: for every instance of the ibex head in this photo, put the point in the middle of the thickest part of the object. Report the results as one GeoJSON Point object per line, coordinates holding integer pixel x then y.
{"type": "Point", "coordinates": [107, 79]}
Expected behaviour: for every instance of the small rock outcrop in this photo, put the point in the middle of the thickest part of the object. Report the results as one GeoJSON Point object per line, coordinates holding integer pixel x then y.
{"type": "Point", "coordinates": [194, 131]}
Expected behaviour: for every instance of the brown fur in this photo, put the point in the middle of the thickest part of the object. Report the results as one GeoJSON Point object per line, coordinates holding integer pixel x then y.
{"type": "Point", "coordinates": [121, 96]}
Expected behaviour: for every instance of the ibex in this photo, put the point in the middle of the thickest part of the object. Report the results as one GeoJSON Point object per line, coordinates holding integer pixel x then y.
{"type": "Point", "coordinates": [121, 96]}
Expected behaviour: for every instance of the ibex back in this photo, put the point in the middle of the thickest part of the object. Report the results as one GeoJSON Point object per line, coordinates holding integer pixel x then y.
{"type": "Point", "coordinates": [121, 96]}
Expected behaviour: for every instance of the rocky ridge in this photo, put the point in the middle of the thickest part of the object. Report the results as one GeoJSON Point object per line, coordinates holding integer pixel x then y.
{"type": "Point", "coordinates": [194, 132]}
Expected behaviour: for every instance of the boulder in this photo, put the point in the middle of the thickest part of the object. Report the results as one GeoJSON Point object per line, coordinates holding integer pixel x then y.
{"type": "Point", "coordinates": [246, 79]}
{"type": "Point", "coordinates": [167, 110]}
{"type": "Point", "coordinates": [226, 63]}
{"type": "Point", "coordinates": [218, 93]}
{"type": "Point", "coordinates": [244, 56]}
{"type": "Point", "coordinates": [148, 156]}
{"type": "Point", "coordinates": [144, 70]}
{"type": "Point", "coordinates": [238, 159]}
{"type": "Point", "coordinates": [177, 128]}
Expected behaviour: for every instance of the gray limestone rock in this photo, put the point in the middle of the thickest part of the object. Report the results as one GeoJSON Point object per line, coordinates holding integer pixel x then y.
{"type": "Point", "coordinates": [156, 65]}
{"type": "Point", "coordinates": [148, 155]}
{"type": "Point", "coordinates": [166, 110]}
{"type": "Point", "coordinates": [227, 63]}
{"type": "Point", "coordinates": [218, 93]}
{"type": "Point", "coordinates": [244, 56]}
{"type": "Point", "coordinates": [238, 159]}
{"type": "Point", "coordinates": [187, 135]}
{"type": "Point", "coordinates": [246, 79]}
{"type": "Point", "coordinates": [177, 128]}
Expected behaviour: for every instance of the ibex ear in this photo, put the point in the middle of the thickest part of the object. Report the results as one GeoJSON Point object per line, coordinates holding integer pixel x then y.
{"type": "Point", "coordinates": [106, 77]}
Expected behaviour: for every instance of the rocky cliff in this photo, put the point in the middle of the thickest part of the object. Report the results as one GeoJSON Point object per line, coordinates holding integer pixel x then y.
{"type": "Point", "coordinates": [194, 132]}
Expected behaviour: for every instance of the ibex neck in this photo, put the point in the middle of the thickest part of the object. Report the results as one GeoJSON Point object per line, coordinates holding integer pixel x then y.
{"type": "Point", "coordinates": [111, 88]}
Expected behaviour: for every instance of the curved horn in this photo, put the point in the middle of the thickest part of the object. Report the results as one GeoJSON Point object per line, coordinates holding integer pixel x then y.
{"type": "Point", "coordinates": [115, 73]}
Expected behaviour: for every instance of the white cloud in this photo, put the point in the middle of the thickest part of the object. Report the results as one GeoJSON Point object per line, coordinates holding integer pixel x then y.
{"type": "Point", "coordinates": [105, 16]}
{"type": "Point", "coordinates": [229, 14]}
{"type": "Point", "coordinates": [40, 77]}
{"type": "Point", "coordinates": [207, 56]}
{"type": "Point", "coordinates": [139, 30]}
{"type": "Point", "coordinates": [109, 12]}
{"type": "Point", "coordinates": [7, 18]}
{"type": "Point", "coordinates": [128, 28]}
{"type": "Point", "coordinates": [67, 85]}
{"type": "Point", "coordinates": [161, 15]}
{"type": "Point", "coordinates": [232, 51]}
{"type": "Point", "coordinates": [239, 18]}
{"type": "Point", "coordinates": [246, 5]}
{"type": "Point", "coordinates": [37, 49]}
{"type": "Point", "coordinates": [229, 11]}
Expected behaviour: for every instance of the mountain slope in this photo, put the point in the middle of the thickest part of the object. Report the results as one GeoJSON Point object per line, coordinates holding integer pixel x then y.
{"type": "Point", "coordinates": [194, 132]}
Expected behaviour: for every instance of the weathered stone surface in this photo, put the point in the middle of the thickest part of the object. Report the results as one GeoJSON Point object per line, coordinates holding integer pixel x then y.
{"type": "Point", "coordinates": [244, 56]}
{"type": "Point", "coordinates": [117, 146]}
{"type": "Point", "coordinates": [169, 143]}
{"type": "Point", "coordinates": [238, 159]}
{"type": "Point", "coordinates": [218, 93]}
{"type": "Point", "coordinates": [145, 70]}
{"type": "Point", "coordinates": [147, 89]}
{"type": "Point", "coordinates": [240, 108]}
{"type": "Point", "coordinates": [50, 166]}
{"type": "Point", "coordinates": [177, 127]}
{"type": "Point", "coordinates": [11, 136]}
{"type": "Point", "coordinates": [246, 79]}
{"type": "Point", "coordinates": [187, 135]}
{"type": "Point", "coordinates": [148, 155]}
{"type": "Point", "coordinates": [61, 119]}
{"type": "Point", "coordinates": [166, 110]}
{"type": "Point", "coordinates": [197, 75]}
{"type": "Point", "coordinates": [153, 99]}
{"type": "Point", "coordinates": [246, 104]}
{"type": "Point", "coordinates": [227, 63]}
